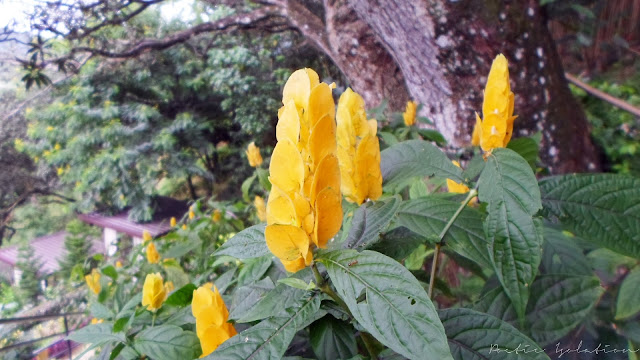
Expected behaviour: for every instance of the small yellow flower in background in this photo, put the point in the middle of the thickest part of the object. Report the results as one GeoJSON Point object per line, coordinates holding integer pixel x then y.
{"type": "Point", "coordinates": [57, 146]}
{"type": "Point", "coordinates": [152, 254]}
{"type": "Point", "coordinates": [261, 209]}
{"type": "Point", "coordinates": [173, 222]}
{"type": "Point", "coordinates": [253, 154]}
{"type": "Point", "coordinates": [154, 292]}
{"type": "Point", "coordinates": [184, 226]}
{"type": "Point", "coordinates": [211, 316]}
{"type": "Point", "coordinates": [496, 127]}
{"type": "Point", "coordinates": [358, 150]}
{"type": "Point", "coordinates": [169, 287]}
{"type": "Point", "coordinates": [93, 281]}
{"type": "Point", "coordinates": [216, 216]}
{"type": "Point", "coordinates": [60, 171]}
{"type": "Point", "coordinates": [118, 264]}
{"type": "Point", "coordinates": [409, 114]}
{"type": "Point", "coordinates": [49, 128]}
{"type": "Point", "coordinates": [36, 159]}
{"type": "Point", "coordinates": [146, 236]}
{"type": "Point", "coordinates": [455, 187]}
{"type": "Point", "coordinates": [96, 321]}
{"type": "Point", "coordinates": [304, 209]}
{"type": "Point", "coordinates": [192, 214]}
{"type": "Point", "coordinates": [46, 153]}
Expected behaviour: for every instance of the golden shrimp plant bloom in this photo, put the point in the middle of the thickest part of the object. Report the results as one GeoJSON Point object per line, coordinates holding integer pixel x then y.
{"type": "Point", "coordinates": [261, 209]}
{"type": "Point", "coordinates": [358, 150]}
{"type": "Point", "coordinates": [211, 316]}
{"type": "Point", "coordinates": [455, 187]}
{"type": "Point", "coordinates": [304, 209]}
{"type": "Point", "coordinates": [152, 254]}
{"type": "Point", "coordinates": [93, 281]}
{"type": "Point", "coordinates": [409, 115]}
{"type": "Point", "coordinates": [155, 291]}
{"type": "Point", "coordinates": [146, 236]}
{"type": "Point", "coordinates": [253, 154]}
{"type": "Point", "coordinates": [496, 127]}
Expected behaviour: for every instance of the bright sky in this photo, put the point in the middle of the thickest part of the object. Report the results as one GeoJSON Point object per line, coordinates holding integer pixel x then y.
{"type": "Point", "coordinates": [15, 10]}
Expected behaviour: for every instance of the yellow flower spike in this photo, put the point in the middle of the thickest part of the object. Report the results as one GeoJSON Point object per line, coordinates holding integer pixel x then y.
{"type": "Point", "coordinates": [118, 264]}
{"type": "Point", "coordinates": [49, 128]}
{"type": "Point", "coordinates": [455, 187]}
{"type": "Point", "coordinates": [60, 171]}
{"type": "Point", "coordinates": [303, 165]}
{"type": "Point", "coordinates": [152, 254]}
{"type": "Point", "coordinates": [192, 214]}
{"type": "Point", "coordinates": [409, 115]}
{"type": "Point", "coordinates": [253, 155]}
{"type": "Point", "coordinates": [496, 127]}
{"type": "Point", "coordinates": [146, 236]}
{"type": "Point", "coordinates": [96, 321]}
{"type": "Point", "coordinates": [211, 316]}
{"type": "Point", "coordinates": [173, 222]}
{"type": "Point", "coordinates": [93, 281]}
{"type": "Point", "coordinates": [216, 216]}
{"type": "Point", "coordinates": [261, 209]}
{"type": "Point", "coordinates": [184, 226]}
{"type": "Point", "coordinates": [154, 292]}
{"type": "Point", "coordinates": [57, 146]}
{"type": "Point", "coordinates": [46, 153]}
{"type": "Point", "coordinates": [358, 150]}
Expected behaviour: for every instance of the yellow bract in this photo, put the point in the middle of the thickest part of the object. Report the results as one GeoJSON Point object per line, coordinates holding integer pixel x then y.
{"type": "Point", "coordinates": [93, 281]}
{"type": "Point", "coordinates": [304, 208]}
{"type": "Point", "coordinates": [152, 254]}
{"type": "Point", "coordinates": [216, 216]}
{"type": "Point", "coordinates": [253, 154]}
{"type": "Point", "coordinates": [261, 209]}
{"type": "Point", "coordinates": [409, 114]}
{"type": "Point", "coordinates": [118, 264]}
{"type": "Point", "coordinates": [211, 316]}
{"type": "Point", "coordinates": [358, 150]}
{"type": "Point", "coordinates": [154, 291]}
{"type": "Point", "coordinates": [146, 236]}
{"type": "Point", "coordinates": [455, 187]}
{"type": "Point", "coordinates": [496, 128]}
{"type": "Point", "coordinates": [173, 222]}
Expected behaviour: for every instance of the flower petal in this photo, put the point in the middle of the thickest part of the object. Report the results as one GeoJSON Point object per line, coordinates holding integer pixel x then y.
{"type": "Point", "coordinates": [286, 168]}
{"type": "Point", "coordinates": [287, 242]}
{"type": "Point", "coordinates": [328, 212]}
{"type": "Point", "coordinates": [322, 140]}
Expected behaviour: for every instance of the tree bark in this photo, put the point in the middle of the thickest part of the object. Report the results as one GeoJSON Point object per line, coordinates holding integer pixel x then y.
{"type": "Point", "coordinates": [439, 53]}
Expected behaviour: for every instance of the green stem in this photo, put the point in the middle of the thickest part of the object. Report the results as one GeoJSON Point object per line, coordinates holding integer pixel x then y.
{"type": "Point", "coordinates": [436, 253]}
{"type": "Point", "coordinates": [153, 320]}
{"type": "Point", "coordinates": [369, 342]}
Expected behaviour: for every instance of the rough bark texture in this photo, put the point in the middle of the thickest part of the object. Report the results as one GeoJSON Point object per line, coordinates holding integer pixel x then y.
{"type": "Point", "coordinates": [444, 50]}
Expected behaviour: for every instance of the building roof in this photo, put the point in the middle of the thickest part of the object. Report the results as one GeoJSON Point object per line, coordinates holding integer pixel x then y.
{"type": "Point", "coordinates": [48, 249]}
{"type": "Point", "coordinates": [166, 208]}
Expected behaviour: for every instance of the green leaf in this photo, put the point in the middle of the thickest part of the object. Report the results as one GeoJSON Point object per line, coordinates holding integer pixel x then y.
{"type": "Point", "coordinates": [246, 185]}
{"type": "Point", "coordinates": [96, 334]}
{"type": "Point", "coordinates": [332, 339]}
{"type": "Point", "coordinates": [246, 297]}
{"type": "Point", "coordinates": [247, 244]}
{"type": "Point", "coordinates": [100, 311]}
{"type": "Point", "coordinates": [428, 217]}
{"type": "Point", "coordinates": [509, 186]}
{"type": "Point", "coordinates": [559, 303]}
{"type": "Point", "coordinates": [561, 255]}
{"type": "Point", "coordinates": [527, 148]}
{"type": "Point", "coordinates": [281, 298]}
{"type": "Point", "coordinates": [168, 342]}
{"type": "Point", "coordinates": [388, 138]}
{"type": "Point", "coordinates": [270, 338]}
{"type": "Point", "coordinates": [476, 336]}
{"type": "Point", "coordinates": [254, 269]}
{"type": "Point", "coordinates": [181, 248]}
{"type": "Point", "coordinates": [110, 271]}
{"type": "Point", "coordinates": [627, 303]}
{"type": "Point", "coordinates": [601, 208]}
{"type": "Point", "coordinates": [369, 220]}
{"type": "Point", "coordinates": [415, 260]}
{"type": "Point", "coordinates": [415, 158]}
{"type": "Point", "coordinates": [295, 283]}
{"type": "Point", "coordinates": [398, 243]}
{"type": "Point", "coordinates": [388, 302]}
{"type": "Point", "coordinates": [497, 303]}
{"type": "Point", "coordinates": [182, 296]}
{"type": "Point", "coordinates": [433, 135]}
{"type": "Point", "coordinates": [263, 177]}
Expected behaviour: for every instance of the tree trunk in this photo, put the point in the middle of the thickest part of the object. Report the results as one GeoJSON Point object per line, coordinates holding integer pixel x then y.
{"type": "Point", "coordinates": [439, 52]}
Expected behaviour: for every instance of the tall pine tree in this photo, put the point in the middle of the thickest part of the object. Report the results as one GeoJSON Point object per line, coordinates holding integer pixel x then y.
{"type": "Point", "coordinates": [29, 265]}
{"type": "Point", "coordinates": [78, 246]}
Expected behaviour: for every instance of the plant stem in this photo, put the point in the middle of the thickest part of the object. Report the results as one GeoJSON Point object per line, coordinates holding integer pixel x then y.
{"type": "Point", "coordinates": [368, 341]}
{"type": "Point", "coordinates": [153, 320]}
{"type": "Point", "coordinates": [436, 253]}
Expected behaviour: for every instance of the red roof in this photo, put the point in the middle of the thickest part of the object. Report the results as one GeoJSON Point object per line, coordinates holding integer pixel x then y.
{"type": "Point", "coordinates": [48, 249]}
{"type": "Point", "coordinates": [160, 225]}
